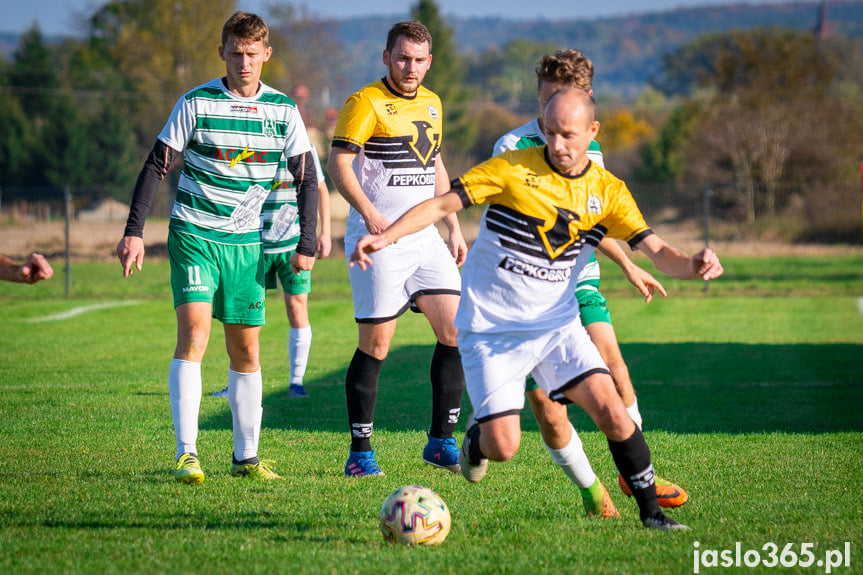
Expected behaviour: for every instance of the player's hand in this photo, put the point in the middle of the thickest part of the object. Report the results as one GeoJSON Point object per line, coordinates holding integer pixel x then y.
{"type": "Point", "coordinates": [707, 265]}
{"type": "Point", "coordinates": [131, 250]}
{"type": "Point", "coordinates": [457, 246]}
{"type": "Point", "coordinates": [365, 246]}
{"type": "Point", "coordinates": [325, 245]}
{"type": "Point", "coordinates": [36, 269]}
{"type": "Point", "coordinates": [300, 263]}
{"type": "Point", "coordinates": [376, 223]}
{"type": "Point", "coordinates": [644, 282]}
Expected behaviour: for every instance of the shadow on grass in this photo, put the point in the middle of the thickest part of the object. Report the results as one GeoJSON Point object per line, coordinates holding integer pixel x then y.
{"type": "Point", "coordinates": [682, 388]}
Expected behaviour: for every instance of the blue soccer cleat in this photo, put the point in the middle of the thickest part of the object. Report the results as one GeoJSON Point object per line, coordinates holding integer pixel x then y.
{"type": "Point", "coordinates": [442, 453]}
{"type": "Point", "coordinates": [362, 463]}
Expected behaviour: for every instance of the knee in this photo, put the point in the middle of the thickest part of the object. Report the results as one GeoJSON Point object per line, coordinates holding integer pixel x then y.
{"type": "Point", "coordinates": [499, 446]}
{"type": "Point", "coordinates": [613, 420]}
{"type": "Point", "coordinates": [192, 343]}
{"type": "Point", "coordinates": [377, 351]}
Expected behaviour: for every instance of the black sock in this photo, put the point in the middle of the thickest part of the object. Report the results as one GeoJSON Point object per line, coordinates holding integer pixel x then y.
{"type": "Point", "coordinates": [632, 457]}
{"type": "Point", "coordinates": [447, 379]}
{"type": "Point", "coordinates": [361, 389]}
{"type": "Point", "coordinates": [251, 460]}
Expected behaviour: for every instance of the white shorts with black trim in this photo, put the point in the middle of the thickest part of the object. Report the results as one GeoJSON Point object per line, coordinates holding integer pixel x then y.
{"type": "Point", "coordinates": [419, 264]}
{"type": "Point", "coordinates": [496, 365]}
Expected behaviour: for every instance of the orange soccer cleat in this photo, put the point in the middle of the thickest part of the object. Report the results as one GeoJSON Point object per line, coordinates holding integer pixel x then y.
{"type": "Point", "coordinates": [667, 493]}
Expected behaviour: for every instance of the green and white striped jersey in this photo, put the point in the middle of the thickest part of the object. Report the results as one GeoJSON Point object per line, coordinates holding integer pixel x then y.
{"type": "Point", "coordinates": [280, 217]}
{"type": "Point", "coordinates": [529, 135]}
{"type": "Point", "coordinates": [231, 148]}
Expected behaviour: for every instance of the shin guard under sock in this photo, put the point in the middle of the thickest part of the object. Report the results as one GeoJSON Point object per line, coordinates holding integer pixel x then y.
{"type": "Point", "coordinates": [447, 379]}
{"type": "Point", "coordinates": [361, 390]}
{"type": "Point", "coordinates": [632, 457]}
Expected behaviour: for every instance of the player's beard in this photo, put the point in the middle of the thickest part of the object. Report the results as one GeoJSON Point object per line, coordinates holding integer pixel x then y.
{"type": "Point", "coordinates": [399, 84]}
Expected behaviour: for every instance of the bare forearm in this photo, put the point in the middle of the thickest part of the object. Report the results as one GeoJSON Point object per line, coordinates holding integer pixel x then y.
{"type": "Point", "coordinates": [422, 215]}
{"type": "Point", "coordinates": [611, 249]}
{"type": "Point", "coordinates": [9, 270]}
{"type": "Point", "coordinates": [340, 169]}
{"type": "Point", "coordinates": [674, 262]}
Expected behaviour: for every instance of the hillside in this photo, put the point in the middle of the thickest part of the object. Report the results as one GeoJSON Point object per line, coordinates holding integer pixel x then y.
{"type": "Point", "coordinates": [627, 51]}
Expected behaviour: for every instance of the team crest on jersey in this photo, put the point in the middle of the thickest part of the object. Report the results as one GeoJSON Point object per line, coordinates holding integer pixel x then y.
{"type": "Point", "coordinates": [594, 205]}
{"type": "Point", "coordinates": [269, 127]}
{"type": "Point", "coordinates": [562, 233]}
{"type": "Point", "coordinates": [391, 109]}
{"type": "Point", "coordinates": [424, 147]}
{"type": "Point", "coordinates": [432, 112]}
{"type": "Point", "coordinates": [531, 180]}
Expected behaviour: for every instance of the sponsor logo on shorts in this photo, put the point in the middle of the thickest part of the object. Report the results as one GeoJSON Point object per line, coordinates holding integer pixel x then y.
{"type": "Point", "coordinates": [259, 305]}
{"type": "Point", "coordinates": [409, 180]}
{"type": "Point", "coordinates": [519, 267]}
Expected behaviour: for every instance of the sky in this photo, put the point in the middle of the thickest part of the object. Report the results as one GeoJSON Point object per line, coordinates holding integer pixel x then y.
{"type": "Point", "coordinates": [63, 17]}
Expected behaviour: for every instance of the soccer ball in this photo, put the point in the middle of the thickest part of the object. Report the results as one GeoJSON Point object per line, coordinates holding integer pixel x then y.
{"type": "Point", "coordinates": [415, 515]}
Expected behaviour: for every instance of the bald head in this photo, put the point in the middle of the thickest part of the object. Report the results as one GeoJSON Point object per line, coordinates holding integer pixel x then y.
{"type": "Point", "coordinates": [570, 125]}
{"type": "Point", "coordinates": [572, 101]}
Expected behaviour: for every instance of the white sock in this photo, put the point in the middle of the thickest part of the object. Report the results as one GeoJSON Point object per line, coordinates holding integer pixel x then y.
{"type": "Point", "coordinates": [245, 394]}
{"type": "Point", "coordinates": [184, 386]}
{"type": "Point", "coordinates": [633, 412]}
{"type": "Point", "coordinates": [299, 344]}
{"type": "Point", "coordinates": [573, 461]}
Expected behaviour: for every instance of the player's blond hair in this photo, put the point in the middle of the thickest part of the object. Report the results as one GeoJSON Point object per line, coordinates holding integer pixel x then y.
{"type": "Point", "coordinates": [569, 67]}
{"type": "Point", "coordinates": [246, 27]}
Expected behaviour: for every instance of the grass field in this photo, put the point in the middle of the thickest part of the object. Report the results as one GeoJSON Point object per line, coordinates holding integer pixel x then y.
{"type": "Point", "coordinates": [751, 393]}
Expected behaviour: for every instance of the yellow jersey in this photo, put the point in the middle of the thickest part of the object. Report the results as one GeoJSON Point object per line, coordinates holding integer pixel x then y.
{"type": "Point", "coordinates": [397, 140]}
{"type": "Point", "coordinates": [539, 231]}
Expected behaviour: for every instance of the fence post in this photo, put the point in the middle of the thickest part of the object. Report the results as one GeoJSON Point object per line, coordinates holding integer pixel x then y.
{"type": "Point", "coordinates": [707, 193]}
{"type": "Point", "coordinates": [67, 209]}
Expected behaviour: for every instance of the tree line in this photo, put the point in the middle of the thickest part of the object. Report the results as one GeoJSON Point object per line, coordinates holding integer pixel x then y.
{"type": "Point", "coordinates": [769, 118]}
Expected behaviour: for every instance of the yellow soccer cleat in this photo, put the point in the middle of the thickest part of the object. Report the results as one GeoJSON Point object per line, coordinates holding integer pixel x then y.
{"type": "Point", "coordinates": [262, 470]}
{"type": "Point", "coordinates": [189, 470]}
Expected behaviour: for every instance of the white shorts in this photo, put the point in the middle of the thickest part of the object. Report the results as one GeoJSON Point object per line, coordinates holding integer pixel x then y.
{"type": "Point", "coordinates": [420, 264]}
{"type": "Point", "coordinates": [496, 365]}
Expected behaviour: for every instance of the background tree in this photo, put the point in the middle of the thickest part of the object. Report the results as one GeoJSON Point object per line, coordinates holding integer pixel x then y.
{"type": "Point", "coordinates": [160, 49]}
{"type": "Point", "coordinates": [752, 118]}
{"type": "Point", "coordinates": [446, 78]}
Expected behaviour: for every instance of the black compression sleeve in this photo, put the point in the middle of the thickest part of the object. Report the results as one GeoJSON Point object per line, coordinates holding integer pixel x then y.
{"type": "Point", "coordinates": [153, 172]}
{"type": "Point", "coordinates": [302, 168]}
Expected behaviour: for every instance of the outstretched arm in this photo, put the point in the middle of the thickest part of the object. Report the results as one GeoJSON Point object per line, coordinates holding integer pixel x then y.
{"type": "Point", "coordinates": [457, 245]}
{"type": "Point", "coordinates": [640, 278]}
{"type": "Point", "coordinates": [415, 219]}
{"type": "Point", "coordinates": [674, 262]}
{"type": "Point", "coordinates": [35, 269]}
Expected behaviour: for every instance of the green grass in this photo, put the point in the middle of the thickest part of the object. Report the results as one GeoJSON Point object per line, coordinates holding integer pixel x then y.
{"type": "Point", "coordinates": [750, 392]}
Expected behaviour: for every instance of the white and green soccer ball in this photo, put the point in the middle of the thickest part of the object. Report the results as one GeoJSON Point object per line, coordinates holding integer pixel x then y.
{"type": "Point", "coordinates": [415, 515]}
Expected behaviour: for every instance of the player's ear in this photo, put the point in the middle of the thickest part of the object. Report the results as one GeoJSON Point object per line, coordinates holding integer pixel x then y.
{"type": "Point", "coordinates": [222, 53]}
{"type": "Point", "coordinates": [386, 58]}
{"type": "Point", "coordinates": [430, 60]}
